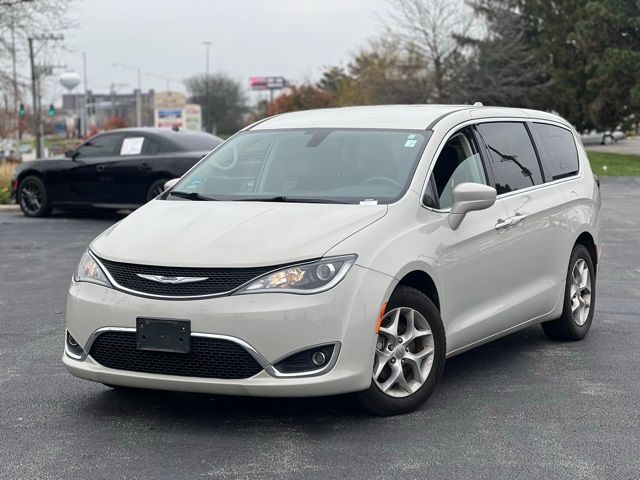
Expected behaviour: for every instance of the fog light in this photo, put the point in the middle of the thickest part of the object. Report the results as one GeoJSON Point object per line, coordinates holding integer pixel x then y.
{"type": "Point", "coordinates": [74, 350]}
{"type": "Point", "coordinates": [318, 358]}
{"type": "Point", "coordinates": [312, 359]}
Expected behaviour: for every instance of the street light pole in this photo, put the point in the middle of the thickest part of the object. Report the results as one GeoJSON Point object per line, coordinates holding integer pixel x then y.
{"type": "Point", "coordinates": [138, 92]}
{"type": "Point", "coordinates": [207, 45]}
{"type": "Point", "coordinates": [83, 113]}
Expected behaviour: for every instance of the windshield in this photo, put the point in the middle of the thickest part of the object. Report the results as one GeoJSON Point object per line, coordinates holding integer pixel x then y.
{"type": "Point", "coordinates": [315, 165]}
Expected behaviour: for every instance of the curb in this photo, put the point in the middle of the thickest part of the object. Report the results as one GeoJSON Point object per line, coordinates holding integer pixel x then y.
{"type": "Point", "coordinates": [10, 208]}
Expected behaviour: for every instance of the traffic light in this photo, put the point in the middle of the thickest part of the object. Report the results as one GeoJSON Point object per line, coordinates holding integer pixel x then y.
{"type": "Point", "coordinates": [52, 110]}
{"type": "Point", "coordinates": [21, 110]}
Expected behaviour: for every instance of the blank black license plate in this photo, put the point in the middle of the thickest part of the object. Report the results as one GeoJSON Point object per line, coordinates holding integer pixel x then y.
{"type": "Point", "coordinates": [162, 335]}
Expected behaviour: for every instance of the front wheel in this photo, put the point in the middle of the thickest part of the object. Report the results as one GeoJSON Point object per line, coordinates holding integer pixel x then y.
{"type": "Point", "coordinates": [579, 299]}
{"type": "Point", "coordinates": [409, 357]}
{"type": "Point", "coordinates": [32, 197]}
{"type": "Point", "coordinates": [608, 140]}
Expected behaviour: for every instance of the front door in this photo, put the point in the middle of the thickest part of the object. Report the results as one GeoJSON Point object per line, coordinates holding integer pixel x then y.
{"type": "Point", "coordinates": [470, 260]}
{"type": "Point", "coordinates": [89, 181]}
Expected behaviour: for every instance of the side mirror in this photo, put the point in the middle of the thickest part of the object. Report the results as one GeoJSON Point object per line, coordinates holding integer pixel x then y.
{"type": "Point", "coordinates": [170, 183]}
{"type": "Point", "coordinates": [468, 197]}
{"type": "Point", "coordinates": [70, 153]}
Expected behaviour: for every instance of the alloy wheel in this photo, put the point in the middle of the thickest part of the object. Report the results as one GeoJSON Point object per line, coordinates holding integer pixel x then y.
{"type": "Point", "coordinates": [404, 352]}
{"type": "Point", "coordinates": [31, 197]}
{"type": "Point", "coordinates": [580, 292]}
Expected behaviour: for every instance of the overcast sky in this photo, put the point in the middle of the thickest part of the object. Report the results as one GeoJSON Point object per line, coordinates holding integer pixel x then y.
{"type": "Point", "coordinates": [292, 38]}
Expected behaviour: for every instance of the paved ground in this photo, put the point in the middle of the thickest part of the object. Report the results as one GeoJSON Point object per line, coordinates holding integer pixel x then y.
{"type": "Point", "coordinates": [521, 407]}
{"type": "Point", "coordinates": [628, 146]}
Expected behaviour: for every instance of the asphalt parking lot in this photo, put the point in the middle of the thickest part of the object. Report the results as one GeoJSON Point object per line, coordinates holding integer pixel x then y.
{"type": "Point", "coordinates": [627, 146]}
{"type": "Point", "coordinates": [520, 407]}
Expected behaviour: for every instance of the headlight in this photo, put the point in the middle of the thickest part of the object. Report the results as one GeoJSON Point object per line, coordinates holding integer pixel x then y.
{"type": "Point", "coordinates": [304, 278]}
{"type": "Point", "coordinates": [90, 271]}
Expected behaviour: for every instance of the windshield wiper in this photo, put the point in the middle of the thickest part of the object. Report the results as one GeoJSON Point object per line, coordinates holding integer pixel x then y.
{"type": "Point", "coordinates": [191, 196]}
{"type": "Point", "coordinates": [283, 199]}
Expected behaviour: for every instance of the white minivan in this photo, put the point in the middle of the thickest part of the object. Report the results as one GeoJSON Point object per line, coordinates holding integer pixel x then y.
{"type": "Point", "coordinates": [345, 250]}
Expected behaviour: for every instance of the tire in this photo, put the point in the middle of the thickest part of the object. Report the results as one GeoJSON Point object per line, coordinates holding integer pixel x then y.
{"type": "Point", "coordinates": [33, 198]}
{"type": "Point", "coordinates": [156, 189]}
{"type": "Point", "coordinates": [608, 140]}
{"type": "Point", "coordinates": [396, 400]}
{"type": "Point", "coordinates": [570, 326]}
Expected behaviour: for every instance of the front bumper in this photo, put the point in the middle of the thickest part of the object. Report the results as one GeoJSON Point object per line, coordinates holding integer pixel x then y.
{"type": "Point", "coordinates": [272, 325]}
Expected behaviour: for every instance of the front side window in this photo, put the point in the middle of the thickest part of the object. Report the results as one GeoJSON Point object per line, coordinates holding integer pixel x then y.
{"type": "Point", "coordinates": [511, 155]}
{"type": "Point", "coordinates": [458, 162]}
{"type": "Point", "coordinates": [101, 146]}
{"type": "Point", "coordinates": [558, 152]}
{"type": "Point", "coordinates": [316, 165]}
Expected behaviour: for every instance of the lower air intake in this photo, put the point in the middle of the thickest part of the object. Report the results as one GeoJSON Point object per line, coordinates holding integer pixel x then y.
{"type": "Point", "coordinates": [208, 358]}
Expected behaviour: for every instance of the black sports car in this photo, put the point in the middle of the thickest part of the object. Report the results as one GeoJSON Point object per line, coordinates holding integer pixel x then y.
{"type": "Point", "coordinates": [119, 169]}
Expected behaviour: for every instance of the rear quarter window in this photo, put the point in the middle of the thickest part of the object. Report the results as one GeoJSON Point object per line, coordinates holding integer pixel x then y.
{"type": "Point", "coordinates": [558, 152]}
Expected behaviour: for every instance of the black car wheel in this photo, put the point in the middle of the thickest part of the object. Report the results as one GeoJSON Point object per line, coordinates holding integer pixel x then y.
{"type": "Point", "coordinates": [33, 198]}
{"type": "Point", "coordinates": [156, 189]}
{"type": "Point", "coordinates": [579, 299]}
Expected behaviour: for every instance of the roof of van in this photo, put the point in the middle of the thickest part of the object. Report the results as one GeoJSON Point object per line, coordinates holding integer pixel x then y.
{"type": "Point", "coordinates": [406, 117]}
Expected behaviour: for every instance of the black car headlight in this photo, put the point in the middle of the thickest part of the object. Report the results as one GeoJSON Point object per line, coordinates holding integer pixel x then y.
{"type": "Point", "coordinates": [305, 278]}
{"type": "Point", "coordinates": [89, 270]}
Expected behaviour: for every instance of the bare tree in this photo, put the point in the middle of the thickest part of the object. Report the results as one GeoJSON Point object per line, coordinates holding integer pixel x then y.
{"type": "Point", "coordinates": [427, 29]}
{"type": "Point", "coordinates": [19, 20]}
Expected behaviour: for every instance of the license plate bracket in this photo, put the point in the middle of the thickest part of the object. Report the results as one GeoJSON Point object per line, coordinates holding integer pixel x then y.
{"type": "Point", "coordinates": [163, 335]}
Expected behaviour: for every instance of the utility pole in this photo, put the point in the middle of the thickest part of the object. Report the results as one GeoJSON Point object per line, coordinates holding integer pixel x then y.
{"type": "Point", "coordinates": [37, 123]}
{"type": "Point", "coordinates": [34, 94]}
{"type": "Point", "coordinates": [15, 78]}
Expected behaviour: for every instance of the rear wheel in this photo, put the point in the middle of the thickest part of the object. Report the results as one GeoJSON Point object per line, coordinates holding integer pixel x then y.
{"type": "Point", "coordinates": [156, 189]}
{"type": "Point", "coordinates": [608, 140]}
{"type": "Point", "coordinates": [579, 299]}
{"type": "Point", "coordinates": [409, 357]}
{"type": "Point", "coordinates": [32, 197]}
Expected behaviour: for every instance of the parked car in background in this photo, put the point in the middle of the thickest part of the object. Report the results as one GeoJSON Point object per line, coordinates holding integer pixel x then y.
{"type": "Point", "coordinates": [119, 169]}
{"type": "Point", "coordinates": [344, 250]}
{"type": "Point", "coordinates": [594, 137]}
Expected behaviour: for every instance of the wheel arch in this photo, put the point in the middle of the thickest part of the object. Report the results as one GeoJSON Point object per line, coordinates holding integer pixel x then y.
{"type": "Point", "coordinates": [30, 172]}
{"type": "Point", "coordinates": [422, 281]}
{"type": "Point", "coordinates": [586, 240]}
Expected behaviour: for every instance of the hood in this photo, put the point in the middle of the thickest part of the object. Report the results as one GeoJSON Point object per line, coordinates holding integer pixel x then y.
{"type": "Point", "coordinates": [231, 234]}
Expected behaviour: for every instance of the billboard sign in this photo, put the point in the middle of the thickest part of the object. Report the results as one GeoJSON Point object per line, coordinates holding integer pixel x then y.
{"type": "Point", "coordinates": [193, 117]}
{"type": "Point", "coordinates": [267, 83]}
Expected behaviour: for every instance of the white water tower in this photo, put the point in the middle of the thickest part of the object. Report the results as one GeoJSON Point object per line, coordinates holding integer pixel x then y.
{"type": "Point", "coordinates": [70, 80]}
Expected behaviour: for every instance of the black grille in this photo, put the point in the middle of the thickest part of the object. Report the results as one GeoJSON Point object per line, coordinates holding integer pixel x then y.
{"type": "Point", "coordinates": [219, 280]}
{"type": "Point", "coordinates": [208, 358]}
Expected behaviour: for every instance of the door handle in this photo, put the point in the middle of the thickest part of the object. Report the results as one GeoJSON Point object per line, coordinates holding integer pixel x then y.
{"type": "Point", "coordinates": [518, 218]}
{"type": "Point", "coordinates": [100, 168]}
{"type": "Point", "coordinates": [502, 224]}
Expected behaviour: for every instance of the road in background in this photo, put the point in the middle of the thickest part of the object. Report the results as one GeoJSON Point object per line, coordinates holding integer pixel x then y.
{"type": "Point", "coordinates": [628, 146]}
{"type": "Point", "coordinates": [520, 407]}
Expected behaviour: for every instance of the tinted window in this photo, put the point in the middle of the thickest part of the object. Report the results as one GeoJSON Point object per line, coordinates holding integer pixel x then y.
{"type": "Point", "coordinates": [458, 162]}
{"type": "Point", "coordinates": [511, 156]}
{"type": "Point", "coordinates": [100, 146]}
{"type": "Point", "coordinates": [557, 149]}
{"type": "Point", "coordinates": [193, 141]}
